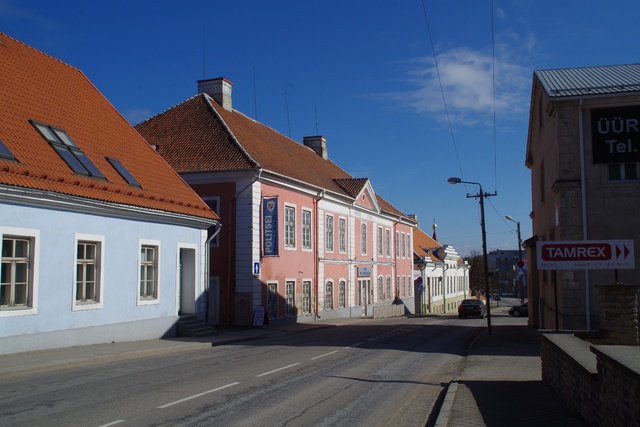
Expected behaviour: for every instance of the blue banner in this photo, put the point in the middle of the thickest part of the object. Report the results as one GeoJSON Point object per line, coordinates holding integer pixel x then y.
{"type": "Point", "coordinates": [270, 226]}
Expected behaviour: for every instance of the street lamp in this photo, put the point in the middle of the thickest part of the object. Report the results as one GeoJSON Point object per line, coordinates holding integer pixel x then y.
{"type": "Point", "coordinates": [519, 257]}
{"type": "Point", "coordinates": [481, 195]}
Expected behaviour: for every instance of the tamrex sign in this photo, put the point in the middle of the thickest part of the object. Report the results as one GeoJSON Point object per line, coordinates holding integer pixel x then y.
{"type": "Point", "coordinates": [615, 134]}
{"type": "Point", "coordinates": [586, 254]}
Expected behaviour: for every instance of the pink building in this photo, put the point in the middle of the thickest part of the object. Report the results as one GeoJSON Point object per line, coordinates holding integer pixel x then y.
{"type": "Point", "coordinates": [300, 236]}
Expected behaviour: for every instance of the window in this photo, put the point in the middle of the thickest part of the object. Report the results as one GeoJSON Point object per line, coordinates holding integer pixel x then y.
{"type": "Point", "coordinates": [404, 253]}
{"type": "Point", "coordinates": [124, 173]}
{"type": "Point", "coordinates": [363, 238]}
{"type": "Point", "coordinates": [5, 153]}
{"type": "Point", "coordinates": [88, 277]}
{"type": "Point", "coordinates": [214, 204]}
{"type": "Point", "coordinates": [68, 150]}
{"type": "Point", "coordinates": [404, 286]}
{"type": "Point", "coordinates": [16, 279]}
{"type": "Point", "coordinates": [306, 297]}
{"type": "Point", "coordinates": [398, 285]}
{"type": "Point", "coordinates": [342, 234]}
{"type": "Point", "coordinates": [380, 289]}
{"type": "Point", "coordinates": [387, 233]}
{"type": "Point", "coordinates": [289, 227]}
{"type": "Point", "coordinates": [329, 233]}
{"type": "Point", "coordinates": [409, 251]}
{"type": "Point", "coordinates": [306, 229]}
{"type": "Point", "coordinates": [388, 287]}
{"type": "Point", "coordinates": [272, 300]}
{"type": "Point", "coordinates": [342, 293]}
{"type": "Point", "coordinates": [289, 307]}
{"type": "Point", "coordinates": [623, 172]}
{"type": "Point", "coordinates": [380, 241]}
{"type": "Point", "coordinates": [328, 296]}
{"type": "Point", "coordinates": [397, 244]}
{"type": "Point", "coordinates": [149, 255]}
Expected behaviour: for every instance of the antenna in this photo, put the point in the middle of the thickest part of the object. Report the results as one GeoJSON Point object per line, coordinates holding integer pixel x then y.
{"type": "Point", "coordinates": [286, 100]}
{"type": "Point", "coordinates": [255, 98]}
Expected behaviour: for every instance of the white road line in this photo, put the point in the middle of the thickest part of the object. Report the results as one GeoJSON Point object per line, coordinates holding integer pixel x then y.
{"type": "Point", "coordinates": [112, 423]}
{"type": "Point", "coordinates": [197, 395]}
{"type": "Point", "coordinates": [355, 345]}
{"type": "Point", "coordinates": [323, 355]}
{"type": "Point", "coordinates": [276, 370]}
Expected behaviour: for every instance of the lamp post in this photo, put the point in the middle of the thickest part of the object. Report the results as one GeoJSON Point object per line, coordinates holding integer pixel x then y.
{"type": "Point", "coordinates": [519, 257]}
{"type": "Point", "coordinates": [481, 195]}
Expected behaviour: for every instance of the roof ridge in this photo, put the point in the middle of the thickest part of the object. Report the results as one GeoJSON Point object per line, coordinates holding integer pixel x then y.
{"type": "Point", "coordinates": [244, 152]}
{"type": "Point", "coordinates": [166, 110]}
{"type": "Point", "coordinates": [40, 52]}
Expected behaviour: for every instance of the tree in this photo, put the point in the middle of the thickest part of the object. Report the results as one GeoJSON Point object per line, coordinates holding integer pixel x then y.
{"type": "Point", "coordinates": [476, 268]}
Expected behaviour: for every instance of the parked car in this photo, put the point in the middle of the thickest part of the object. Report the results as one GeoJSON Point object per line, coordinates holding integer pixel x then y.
{"type": "Point", "coordinates": [520, 310]}
{"type": "Point", "coordinates": [471, 307]}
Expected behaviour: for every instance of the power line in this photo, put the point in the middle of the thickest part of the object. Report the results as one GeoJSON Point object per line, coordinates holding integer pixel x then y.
{"type": "Point", "coordinates": [444, 101]}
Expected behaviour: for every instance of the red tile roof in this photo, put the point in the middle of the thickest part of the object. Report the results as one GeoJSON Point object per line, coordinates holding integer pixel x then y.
{"type": "Point", "coordinates": [423, 245]}
{"type": "Point", "coordinates": [36, 86]}
{"type": "Point", "coordinates": [199, 135]}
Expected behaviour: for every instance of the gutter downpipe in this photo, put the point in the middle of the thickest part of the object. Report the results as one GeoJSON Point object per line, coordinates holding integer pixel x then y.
{"type": "Point", "coordinates": [584, 216]}
{"type": "Point", "coordinates": [213, 231]}
{"type": "Point", "coordinates": [316, 264]}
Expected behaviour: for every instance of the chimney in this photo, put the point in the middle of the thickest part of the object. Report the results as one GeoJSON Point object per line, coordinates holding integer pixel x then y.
{"type": "Point", "coordinates": [219, 89]}
{"type": "Point", "coordinates": [317, 144]}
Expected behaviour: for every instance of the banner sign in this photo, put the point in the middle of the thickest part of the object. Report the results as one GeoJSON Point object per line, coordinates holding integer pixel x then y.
{"type": "Point", "coordinates": [615, 134]}
{"type": "Point", "coordinates": [585, 255]}
{"type": "Point", "coordinates": [270, 226]}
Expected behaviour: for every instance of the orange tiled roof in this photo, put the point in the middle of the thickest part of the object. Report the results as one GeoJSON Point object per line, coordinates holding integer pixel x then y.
{"type": "Point", "coordinates": [36, 86]}
{"type": "Point", "coordinates": [199, 135]}
{"type": "Point", "coordinates": [422, 243]}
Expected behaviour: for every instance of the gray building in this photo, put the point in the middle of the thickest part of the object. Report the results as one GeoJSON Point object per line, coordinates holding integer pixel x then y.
{"type": "Point", "coordinates": [583, 150]}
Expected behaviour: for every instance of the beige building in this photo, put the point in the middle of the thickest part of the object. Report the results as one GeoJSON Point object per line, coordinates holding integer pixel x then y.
{"type": "Point", "coordinates": [583, 150]}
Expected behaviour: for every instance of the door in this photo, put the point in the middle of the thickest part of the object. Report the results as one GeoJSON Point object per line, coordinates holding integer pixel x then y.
{"type": "Point", "coordinates": [187, 275]}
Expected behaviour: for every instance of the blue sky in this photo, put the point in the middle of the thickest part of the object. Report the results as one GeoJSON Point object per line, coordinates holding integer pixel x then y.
{"type": "Point", "coordinates": [360, 72]}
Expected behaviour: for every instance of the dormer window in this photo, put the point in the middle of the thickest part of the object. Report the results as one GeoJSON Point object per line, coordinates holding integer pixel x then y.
{"type": "Point", "coordinates": [68, 150]}
{"type": "Point", "coordinates": [5, 153]}
{"type": "Point", "coordinates": [124, 173]}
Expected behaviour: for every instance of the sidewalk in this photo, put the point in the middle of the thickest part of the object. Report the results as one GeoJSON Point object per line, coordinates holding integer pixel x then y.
{"type": "Point", "coordinates": [501, 382]}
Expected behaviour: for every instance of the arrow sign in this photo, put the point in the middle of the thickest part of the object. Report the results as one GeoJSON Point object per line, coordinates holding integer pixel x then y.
{"type": "Point", "coordinates": [586, 254]}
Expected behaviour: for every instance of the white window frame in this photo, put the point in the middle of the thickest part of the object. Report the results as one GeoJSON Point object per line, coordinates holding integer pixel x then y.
{"type": "Point", "coordinates": [342, 293]}
{"type": "Point", "coordinates": [397, 255]}
{"type": "Point", "coordinates": [289, 227]}
{"type": "Point", "coordinates": [289, 297]}
{"type": "Point", "coordinates": [34, 236]}
{"type": "Point", "coordinates": [388, 242]}
{"type": "Point", "coordinates": [363, 238]}
{"type": "Point", "coordinates": [307, 304]}
{"type": "Point", "coordinates": [342, 235]}
{"type": "Point", "coordinates": [156, 300]}
{"type": "Point", "coordinates": [328, 244]}
{"type": "Point", "coordinates": [404, 248]}
{"type": "Point", "coordinates": [306, 230]}
{"type": "Point", "coordinates": [269, 312]}
{"type": "Point", "coordinates": [388, 284]}
{"type": "Point", "coordinates": [99, 286]}
{"type": "Point", "coordinates": [380, 241]}
{"type": "Point", "coordinates": [328, 295]}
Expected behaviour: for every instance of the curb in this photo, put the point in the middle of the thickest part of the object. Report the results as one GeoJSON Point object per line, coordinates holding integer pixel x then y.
{"type": "Point", "coordinates": [445, 409]}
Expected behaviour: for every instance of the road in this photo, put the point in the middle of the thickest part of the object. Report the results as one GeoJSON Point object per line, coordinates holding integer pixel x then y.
{"type": "Point", "coordinates": [387, 372]}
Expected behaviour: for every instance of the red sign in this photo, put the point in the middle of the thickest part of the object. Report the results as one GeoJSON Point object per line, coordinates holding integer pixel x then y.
{"type": "Point", "coordinates": [586, 254]}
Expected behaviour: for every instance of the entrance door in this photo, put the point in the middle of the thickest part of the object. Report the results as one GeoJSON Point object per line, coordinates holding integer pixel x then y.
{"type": "Point", "coordinates": [364, 294]}
{"type": "Point", "coordinates": [187, 278]}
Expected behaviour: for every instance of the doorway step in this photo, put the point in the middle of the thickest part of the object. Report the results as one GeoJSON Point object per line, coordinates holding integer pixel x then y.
{"type": "Point", "coordinates": [190, 326]}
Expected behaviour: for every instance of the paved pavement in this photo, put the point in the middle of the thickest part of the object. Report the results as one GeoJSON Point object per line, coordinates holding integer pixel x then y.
{"type": "Point", "coordinates": [500, 383]}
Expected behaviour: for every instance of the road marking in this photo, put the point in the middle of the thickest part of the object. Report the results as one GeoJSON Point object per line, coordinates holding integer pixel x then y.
{"type": "Point", "coordinates": [197, 395]}
{"type": "Point", "coordinates": [355, 345]}
{"type": "Point", "coordinates": [112, 423]}
{"type": "Point", "coordinates": [276, 370]}
{"type": "Point", "coordinates": [323, 355]}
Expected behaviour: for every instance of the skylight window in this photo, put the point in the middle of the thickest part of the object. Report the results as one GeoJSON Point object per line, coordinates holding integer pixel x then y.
{"type": "Point", "coordinates": [68, 150]}
{"type": "Point", "coordinates": [5, 153]}
{"type": "Point", "coordinates": [124, 173]}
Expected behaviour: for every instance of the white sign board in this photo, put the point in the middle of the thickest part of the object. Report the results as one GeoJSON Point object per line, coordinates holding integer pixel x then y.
{"type": "Point", "coordinates": [586, 255]}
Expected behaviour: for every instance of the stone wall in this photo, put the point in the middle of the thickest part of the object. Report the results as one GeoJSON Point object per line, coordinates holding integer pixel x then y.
{"type": "Point", "coordinates": [601, 383]}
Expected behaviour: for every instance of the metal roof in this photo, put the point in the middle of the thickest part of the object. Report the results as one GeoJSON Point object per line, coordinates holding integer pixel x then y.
{"type": "Point", "coordinates": [585, 81]}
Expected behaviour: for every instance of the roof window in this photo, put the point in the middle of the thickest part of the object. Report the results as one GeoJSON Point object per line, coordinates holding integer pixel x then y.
{"type": "Point", "coordinates": [5, 153]}
{"type": "Point", "coordinates": [124, 173]}
{"type": "Point", "coordinates": [68, 150]}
